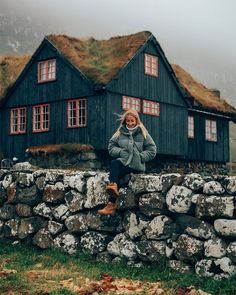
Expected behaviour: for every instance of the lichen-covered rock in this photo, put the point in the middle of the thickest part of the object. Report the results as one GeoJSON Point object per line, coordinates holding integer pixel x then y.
{"type": "Point", "coordinates": [167, 180]}
{"type": "Point", "coordinates": [151, 250]}
{"type": "Point", "coordinates": [40, 182]}
{"type": "Point", "coordinates": [104, 257]}
{"type": "Point", "coordinates": [181, 267]}
{"type": "Point", "coordinates": [122, 246]}
{"type": "Point", "coordinates": [11, 193]}
{"type": "Point", "coordinates": [214, 206]}
{"type": "Point", "coordinates": [145, 183]}
{"type": "Point", "coordinates": [24, 210]}
{"type": "Point", "coordinates": [60, 212]}
{"type": "Point", "coordinates": [194, 227]}
{"type": "Point", "coordinates": [55, 227]}
{"type": "Point", "coordinates": [24, 166]}
{"type": "Point", "coordinates": [66, 242]}
{"type": "Point", "coordinates": [7, 211]}
{"type": "Point", "coordinates": [77, 223]}
{"type": "Point", "coordinates": [134, 225]}
{"type": "Point", "coordinates": [7, 181]}
{"type": "Point", "coordinates": [25, 179]}
{"type": "Point", "coordinates": [75, 182]}
{"type": "Point", "coordinates": [216, 268]}
{"type": "Point", "coordinates": [194, 182]}
{"type": "Point", "coordinates": [160, 228]}
{"type": "Point", "coordinates": [215, 248]}
{"type": "Point", "coordinates": [96, 190]}
{"type": "Point", "coordinates": [43, 239]}
{"type": "Point", "coordinates": [188, 249]}
{"type": "Point", "coordinates": [54, 176]}
{"type": "Point", "coordinates": [3, 173]}
{"type": "Point", "coordinates": [30, 225]}
{"type": "Point", "coordinates": [27, 195]}
{"type": "Point", "coordinates": [43, 209]}
{"type": "Point", "coordinates": [178, 199]}
{"type": "Point", "coordinates": [94, 243]}
{"type": "Point", "coordinates": [74, 201]}
{"type": "Point", "coordinates": [225, 227]}
{"type": "Point", "coordinates": [231, 251]}
{"type": "Point", "coordinates": [213, 188]}
{"type": "Point", "coordinates": [152, 204]}
{"type": "Point", "coordinates": [11, 227]}
{"type": "Point", "coordinates": [229, 184]}
{"type": "Point", "coordinates": [3, 195]}
{"type": "Point", "coordinates": [109, 223]}
{"type": "Point", "coordinates": [54, 193]}
{"type": "Point", "coordinates": [127, 199]}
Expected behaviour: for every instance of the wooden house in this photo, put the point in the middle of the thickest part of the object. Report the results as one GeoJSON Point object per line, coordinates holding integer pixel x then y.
{"type": "Point", "coordinates": [70, 90]}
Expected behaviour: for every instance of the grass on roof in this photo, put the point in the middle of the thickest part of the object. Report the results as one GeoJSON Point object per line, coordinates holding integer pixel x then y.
{"type": "Point", "coordinates": [204, 97]}
{"type": "Point", "coordinates": [10, 68]}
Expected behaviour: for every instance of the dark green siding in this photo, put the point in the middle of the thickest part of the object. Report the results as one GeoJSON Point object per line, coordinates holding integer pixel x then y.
{"type": "Point", "coordinates": [203, 150]}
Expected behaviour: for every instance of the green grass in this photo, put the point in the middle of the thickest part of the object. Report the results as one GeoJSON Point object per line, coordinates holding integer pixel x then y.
{"type": "Point", "coordinates": [41, 271]}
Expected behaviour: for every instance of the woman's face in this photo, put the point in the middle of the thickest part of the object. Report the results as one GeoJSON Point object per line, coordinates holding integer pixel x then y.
{"type": "Point", "coordinates": [130, 121]}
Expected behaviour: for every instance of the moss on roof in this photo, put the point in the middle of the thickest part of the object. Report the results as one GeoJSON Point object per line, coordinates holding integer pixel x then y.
{"type": "Point", "coordinates": [203, 96]}
{"type": "Point", "coordinates": [99, 60]}
{"type": "Point", "coordinates": [10, 68]}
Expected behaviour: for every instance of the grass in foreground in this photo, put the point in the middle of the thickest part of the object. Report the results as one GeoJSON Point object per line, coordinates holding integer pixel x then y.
{"type": "Point", "coordinates": [25, 270]}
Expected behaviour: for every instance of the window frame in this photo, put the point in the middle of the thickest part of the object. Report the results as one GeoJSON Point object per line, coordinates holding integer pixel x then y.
{"type": "Point", "coordinates": [18, 124]}
{"type": "Point", "coordinates": [78, 113]}
{"type": "Point", "coordinates": [152, 103]}
{"type": "Point", "coordinates": [46, 63]}
{"type": "Point", "coordinates": [149, 64]}
{"type": "Point", "coordinates": [131, 103]}
{"type": "Point", "coordinates": [41, 117]}
{"type": "Point", "coordinates": [191, 127]}
{"type": "Point", "coordinates": [211, 128]}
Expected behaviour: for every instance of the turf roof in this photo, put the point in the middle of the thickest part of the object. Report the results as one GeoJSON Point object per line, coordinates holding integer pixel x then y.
{"type": "Point", "coordinates": [101, 60]}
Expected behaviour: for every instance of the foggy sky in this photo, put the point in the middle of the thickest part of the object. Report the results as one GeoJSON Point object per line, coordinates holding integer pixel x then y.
{"type": "Point", "coordinates": [199, 33]}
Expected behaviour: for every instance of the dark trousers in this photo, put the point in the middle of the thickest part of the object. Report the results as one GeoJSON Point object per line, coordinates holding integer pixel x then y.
{"type": "Point", "coordinates": [117, 170]}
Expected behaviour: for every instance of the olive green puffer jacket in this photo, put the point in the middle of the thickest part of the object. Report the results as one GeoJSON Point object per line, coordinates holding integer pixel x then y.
{"type": "Point", "coordinates": [132, 149]}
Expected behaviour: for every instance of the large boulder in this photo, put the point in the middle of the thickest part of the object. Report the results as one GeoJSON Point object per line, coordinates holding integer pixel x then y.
{"type": "Point", "coordinates": [122, 246]}
{"type": "Point", "coordinates": [215, 268]}
{"type": "Point", "coordinates": [96, 190]}
{"type": "Point", "coordinates": [134, 225]}
{"type": "Point", "coordinates": [143, 183]}
{"type": "Point", "coordinates": [178, 199]}
{"type": "Point", "coordinates": [24, 210]}
{"type": "Point", "coordinates": [42, 209]}
{"type": "Point", "coordinates": [215, 248]}
{"type": "Point", "coordinates": [77, 223]}
{"type": "Point", "coordinates": [74, 200]}
{"type": "Point", "coordinates": [66, 242]}
{"type": "Point", "coordinates": [75, 182]}
{"type": "Point", "coordinates": [225, 228]}
{"type": "Point", "coordinates": [152, 204]}
{"type": "Point", "coordinates": [213, 188]}
{"type": "Point", "coordinates": [104, 223]}
{"type": "Point", "coordinates": [7, 211]}
{"type": "Point", "coordinates": [25, 179]}
{"type": "Point", "coordinates": [188, 249]}
{"type": "Point", "coordinates": [43, 239]}
{"type": "Point", "coordinates": [94, 243]}
{"type": "Point", "coordinates": [30, 225]}
{"type": "Point", "coordinates": [194, 182]}
{"type": "Point", "coordinates": [26, 195]}
{"type": "Point", "coordinates": [229, 184]}
{"type": "Point", "coordinates": [54, 193]}
{"type": "Point", "coordinates": [160, 228]}
{"type": "Point", "coordinates": [214, 206]}
{"type": "Point", "coordinates": [151, 250]}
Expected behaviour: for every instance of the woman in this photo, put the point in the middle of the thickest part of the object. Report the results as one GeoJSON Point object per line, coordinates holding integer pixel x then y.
{"type": "Point", "coordinates": [131, 146]}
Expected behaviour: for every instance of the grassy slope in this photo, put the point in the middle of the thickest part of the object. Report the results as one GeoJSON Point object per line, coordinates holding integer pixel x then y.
{"type": "Point", "coordinates": [34, 271]}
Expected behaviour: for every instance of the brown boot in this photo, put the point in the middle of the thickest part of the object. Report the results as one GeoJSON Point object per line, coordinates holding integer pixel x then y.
{"type": "Point", "coordinates": [109, 209]}
{"type": "Point", "coordinates": [112, 189]}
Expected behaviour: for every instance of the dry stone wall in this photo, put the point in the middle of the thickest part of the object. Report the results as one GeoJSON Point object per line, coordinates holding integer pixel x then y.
{"type": "Point", "coordinates": [190, 220]}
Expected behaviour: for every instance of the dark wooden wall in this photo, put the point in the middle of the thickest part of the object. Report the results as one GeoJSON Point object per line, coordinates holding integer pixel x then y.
{"type": "Point", "coordinates": [200, 149]}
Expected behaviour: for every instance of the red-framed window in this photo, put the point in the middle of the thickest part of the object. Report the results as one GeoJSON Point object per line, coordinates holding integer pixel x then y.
{"type": "Point", "coordinates": [131, 103]}
{"type": "Point", "coordinates": [18, 121]}
{"type": "Point", "coordinates": [41, 118]}
{"type": "Point", "coordinates": [190, 127]}
{"type": "Point", "coordinates": [151, 65]}
{"type": "Point", "coordinates": [210, 130]}
{"type": "Point", "coordinates": [77, 113]}
{"type": "Point", "coordinates": [46, 70]}
{"type": "Point", "coordinates": [151, 108]}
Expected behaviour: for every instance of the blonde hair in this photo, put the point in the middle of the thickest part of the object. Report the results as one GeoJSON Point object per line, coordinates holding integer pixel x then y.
{"type": "Point", "coordinates": [122, 119]}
